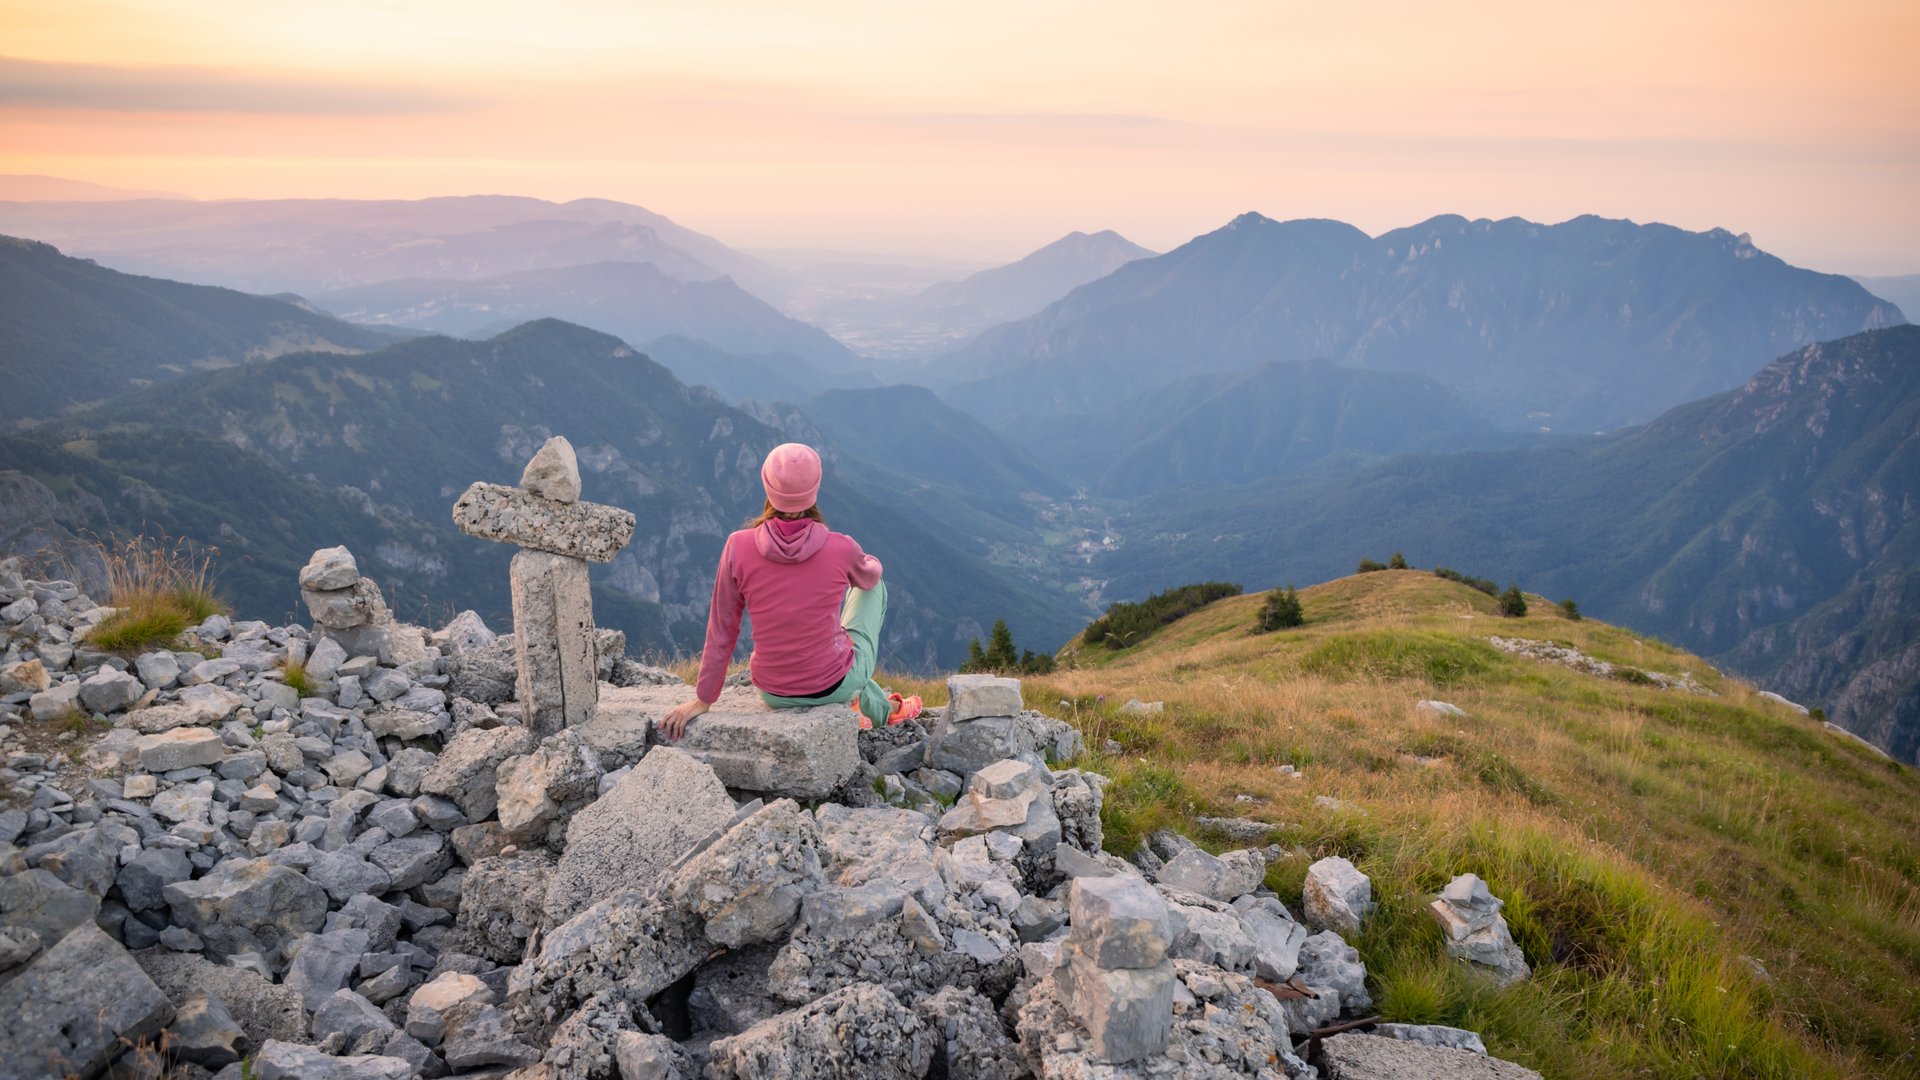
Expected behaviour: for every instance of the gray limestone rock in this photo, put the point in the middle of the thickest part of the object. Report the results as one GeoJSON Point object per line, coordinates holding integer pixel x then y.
{"type": "Point", "coordinates": [1326, 960]}
{"type": "Point", "coordinates": [804, 754]}
{"type": "Point", "coordinates": [1476, 932]}
{"type": "Point", "coordinates": [329, 569]}
{"type": "Point", "coordinates": [292, 1061]}
{"type": "Point", "coordinates": [248, 905]}
{"type": "Point", "coordinates": [1335, 896]}
{"type": "Point", "coordinates": [502, 902]}
{"type": "Point", "coordinates": [1224, 878]}
{"type": "Point", "coordinates": [465, 771]}
{"type": "Point", "coordinates": [427, 1009]}
{"type": "Point", "coordinates": [179, 748]}
{"type": "Point", "coordinates": [556, 655]}
{"type": "Point", "coordinates": [1355, 1056]}
{"type": "Point", "coordinates": [543, 789]}
{"type": "Point", "coordinates": [477, 1035]}
{"type": "Point", "coordinates": [144, 878]}
{"type": "Point", "coordinates": [974, 744]}
{"type": "Point", "coordinates": [55, 702]}
{"type": "Point", "coordinates": [576, 530]}
{"type": "Point", "coordinates": [970, 1041]}
{"type": "Point", "coordinates": [861, 1030]}
{"type": "Point", "coordinates": [323, 963]}
{"type": "Point", "coordinates": [79, 1004]}
{"type": "Point", "coordinates": [972, 696]}
{"type": "Point", "coordinates": [354, 1018]}
{"type": "Point", "coordinates": [1210, 933]}
{"type": "Point", "coordinates": [628, 942]}
{"type": "Point", "coordinates": [1119, 922]}
{"type": "Point", "coordinates": [264, 1009]}
{"type": "Point", "coordinates": [1276, 936]}
{"type": "Point", "coordinates": [668, 803]}
{"type": "Point", "coordinates": [652, 1057]}
{"type": "Point", "coordinates": [110, 691]}
{"type": "Point", "coordinates": [412, 860]}
{"type": "Point", "coordinates": [748, 885]}
{"type": "Point", "coordinates": [553, 473]}
{"type": "Point", "coordinates": [352, 608]}
{"type": "Point", "coordinates": [1452, 1038]}
{"type": "Point", "coordinates": [204, 1033]}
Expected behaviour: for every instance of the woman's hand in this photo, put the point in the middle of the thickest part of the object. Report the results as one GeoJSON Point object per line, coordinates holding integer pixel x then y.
{"type": "Point", "coordinates": [674, 724]}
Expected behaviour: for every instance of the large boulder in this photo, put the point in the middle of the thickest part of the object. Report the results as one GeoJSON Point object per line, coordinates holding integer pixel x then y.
{"type": "Point", "coordinates": [265, 1010]}
{"type": "Point", "coordinates": [248, 905]}
{"type": "Point", "coordinates": [628, 837]}
{"type": "Point", "coordinates": [804, 754]}
{"type": "Point", "coordinates": [77, 1007]}
{"type": "Point", "coordinates": [465, 772]}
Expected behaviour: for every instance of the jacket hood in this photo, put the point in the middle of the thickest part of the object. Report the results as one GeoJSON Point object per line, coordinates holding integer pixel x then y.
{"type": "Point", "coordinates": [789, 541]}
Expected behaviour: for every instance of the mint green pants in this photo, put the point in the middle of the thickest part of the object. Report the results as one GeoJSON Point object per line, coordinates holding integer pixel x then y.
{"type": "Point", "coordinates": [861, 615]}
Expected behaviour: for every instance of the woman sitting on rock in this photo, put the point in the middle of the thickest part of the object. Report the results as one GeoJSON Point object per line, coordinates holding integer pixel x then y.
{"type": "Point", "coordinates": [816, 599]}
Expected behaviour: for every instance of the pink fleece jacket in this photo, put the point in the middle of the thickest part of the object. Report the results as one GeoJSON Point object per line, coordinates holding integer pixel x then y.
{"type": "Point", "coordinates": [791, 577]}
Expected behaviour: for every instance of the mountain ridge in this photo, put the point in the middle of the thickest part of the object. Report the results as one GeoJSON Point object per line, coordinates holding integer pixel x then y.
{"type": "Point", "coordinates": [1590, 323]}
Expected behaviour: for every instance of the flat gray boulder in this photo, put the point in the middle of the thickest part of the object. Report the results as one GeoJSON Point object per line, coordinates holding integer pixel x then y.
{"type": "Point", "coordinates": [627, 839]}
{"type": "Point", "coordinates": [1354, 1056]}
{"type": "Point", "coordinates": [803, 754]}
{"type": "Point", "coordinates": [78, 1006]}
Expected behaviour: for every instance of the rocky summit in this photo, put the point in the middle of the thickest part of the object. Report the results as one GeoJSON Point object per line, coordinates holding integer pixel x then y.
{"type": "Point", "coordinates": [341, 851]}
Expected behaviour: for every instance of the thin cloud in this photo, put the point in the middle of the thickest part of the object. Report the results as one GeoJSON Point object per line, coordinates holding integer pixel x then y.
{"type": "Point", "coordinates": [120, 88]}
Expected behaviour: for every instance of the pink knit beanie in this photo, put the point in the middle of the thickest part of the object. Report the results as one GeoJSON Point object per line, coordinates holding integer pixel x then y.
{"type": "Point", "coordinates": [792, 477]}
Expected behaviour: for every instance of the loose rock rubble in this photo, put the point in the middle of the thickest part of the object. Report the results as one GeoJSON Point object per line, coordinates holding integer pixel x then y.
{"type": "Point", "coordinates": [1568, 656]}
{"type": "Point", "coordinates": [394, 876]}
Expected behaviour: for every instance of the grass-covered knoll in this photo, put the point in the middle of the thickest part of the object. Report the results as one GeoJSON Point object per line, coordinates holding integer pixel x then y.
{"type": "Point", "coordinates": [1646, 841]}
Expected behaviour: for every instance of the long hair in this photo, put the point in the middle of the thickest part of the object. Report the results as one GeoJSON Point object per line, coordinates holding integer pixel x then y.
{"type": "Point", "coordinates": [768, 513]}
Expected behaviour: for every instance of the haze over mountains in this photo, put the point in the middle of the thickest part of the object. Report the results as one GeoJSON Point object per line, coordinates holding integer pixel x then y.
{"type": "Point", "coordinates": [1582, 326]}
{"type": "Point", "coordinates": [1267, 402]}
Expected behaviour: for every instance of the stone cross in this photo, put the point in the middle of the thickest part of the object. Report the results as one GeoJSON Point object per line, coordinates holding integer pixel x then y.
{"type": "Point", "coordinates": [553, 634]}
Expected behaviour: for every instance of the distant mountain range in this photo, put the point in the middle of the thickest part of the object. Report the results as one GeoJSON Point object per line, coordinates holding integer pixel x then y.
{"type": "Point", "coordinates": [309, 246]}
{"type": "Point", "coordinates": [1902, 290]}
{"type": "Point", "coordinates": [1775, 527]}
{"type": "Point", "coordinates": [76, 332]}
{"type": "Point", "coordinates": [636, 301]}
{"type": "Point", "coordinates": [1586, 325]}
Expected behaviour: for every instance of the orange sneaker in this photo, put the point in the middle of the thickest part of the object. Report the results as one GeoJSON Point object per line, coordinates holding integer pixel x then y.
{"type": "Point", "coordinates": [865, 724]}
{"type": "Point", "coordinates": [904, 709]}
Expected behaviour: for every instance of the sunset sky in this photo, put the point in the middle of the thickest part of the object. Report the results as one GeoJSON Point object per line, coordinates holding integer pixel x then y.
{"type": "Point", "coordinates": [983, 129]}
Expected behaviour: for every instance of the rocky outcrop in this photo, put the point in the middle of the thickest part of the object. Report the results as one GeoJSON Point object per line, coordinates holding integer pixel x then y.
{"type": "Point", "coordinates": [380, 877]}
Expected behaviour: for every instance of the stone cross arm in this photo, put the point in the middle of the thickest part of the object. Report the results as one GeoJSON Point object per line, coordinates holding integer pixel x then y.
{"type": "Point", "coordinates": [579, 530]}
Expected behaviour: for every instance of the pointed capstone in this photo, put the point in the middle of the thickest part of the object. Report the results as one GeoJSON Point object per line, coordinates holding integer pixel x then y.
{"type": "Point", "coordinates": [554, 472]}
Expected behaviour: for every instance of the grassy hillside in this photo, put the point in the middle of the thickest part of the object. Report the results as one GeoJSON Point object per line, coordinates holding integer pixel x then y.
{"type": "Point", "coordinates": [1646, 841]}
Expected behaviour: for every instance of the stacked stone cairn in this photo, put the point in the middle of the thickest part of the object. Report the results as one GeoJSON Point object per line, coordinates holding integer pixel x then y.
{"type": "Point", "coordinates": [398, 875]}
{"type": "Point", "coordinates": [1476, 931]}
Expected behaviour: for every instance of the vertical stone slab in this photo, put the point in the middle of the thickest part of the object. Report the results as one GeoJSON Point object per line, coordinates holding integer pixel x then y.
{"type": "Point", "coordinates": [554, 646]}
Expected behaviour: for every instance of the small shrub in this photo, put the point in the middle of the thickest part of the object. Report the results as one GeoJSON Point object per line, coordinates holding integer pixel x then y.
{"type": "Point", "coordinates": [295, 675]}
{"type": "Point", "coordinates": [1483, 584]}
{"type": "Point", "coordinates": [1126, 623]}
{"type": "Point", "coordinates": [1817, 714]}
{"type": "Point", "coordinates": [1281, 610]}
{"type": "Point", "coordinates": [1398, 562]}
{"type": "Point", "coordinates": [1368, 566]}
{"type": "Point", "coordinates": [1513, 602]}
{"type": "Point", "coordinates": [1570, 609]}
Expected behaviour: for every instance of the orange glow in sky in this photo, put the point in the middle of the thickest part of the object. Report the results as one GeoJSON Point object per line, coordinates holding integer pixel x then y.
{"type": "Point", "coordinates": [985, 129]}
